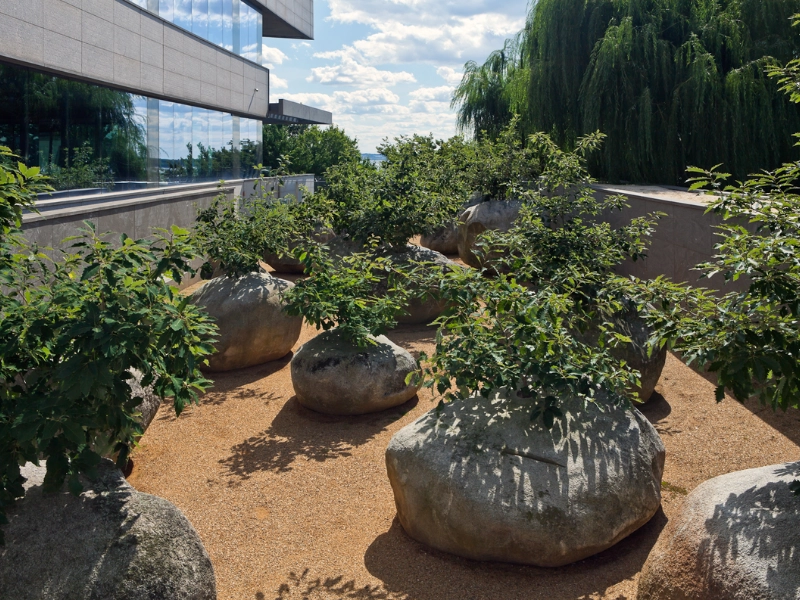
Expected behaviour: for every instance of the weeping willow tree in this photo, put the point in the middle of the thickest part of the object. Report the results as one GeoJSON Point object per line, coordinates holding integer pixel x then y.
{"type": "Point", "coordinates": [490, 94]}
{"type": "Point", "coordinates": [671, 82]}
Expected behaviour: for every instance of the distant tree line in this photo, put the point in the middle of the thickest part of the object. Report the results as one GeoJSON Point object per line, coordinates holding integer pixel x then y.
{"type": "Point", "coordinates": [671, 82]}
{"type": "Point", "coordinates": [307, 148]}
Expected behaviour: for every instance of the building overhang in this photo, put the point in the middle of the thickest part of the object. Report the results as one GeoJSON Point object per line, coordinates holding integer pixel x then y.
{"type": "Point", "coordinates": [287, 18]}
{"type": "Point", "coordinates": [286, 112]}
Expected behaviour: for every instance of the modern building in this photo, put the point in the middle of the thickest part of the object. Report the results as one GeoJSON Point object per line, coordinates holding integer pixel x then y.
{"type": "Point", "coordinates": [126, 94]}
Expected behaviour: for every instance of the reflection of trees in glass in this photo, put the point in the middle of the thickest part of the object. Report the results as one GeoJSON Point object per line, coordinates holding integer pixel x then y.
{"type": "Point", "coordinates": [45, 119]}
{"type": "Point", "coordinates": [81, 171]}
{"type": "Point", "coordinates": [251, 157]}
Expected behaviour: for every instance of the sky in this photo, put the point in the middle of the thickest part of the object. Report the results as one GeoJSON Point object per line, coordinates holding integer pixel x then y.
{"type": "Point", "coordinates": [386, 68]}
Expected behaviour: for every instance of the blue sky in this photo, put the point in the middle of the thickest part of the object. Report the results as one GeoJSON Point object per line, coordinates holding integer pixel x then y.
{"type": "Point", "coordinates": [388, 67]}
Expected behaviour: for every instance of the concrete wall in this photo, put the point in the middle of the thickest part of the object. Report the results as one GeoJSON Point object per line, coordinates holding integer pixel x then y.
{"type": "Point", "coordinates": [138, 213]}
{"type": "Point", "coordinates": [288, 18]}
{"type": "Point", "coordinates": [117, 44]}
{"type": "Point", "coordinates": [684, 238]}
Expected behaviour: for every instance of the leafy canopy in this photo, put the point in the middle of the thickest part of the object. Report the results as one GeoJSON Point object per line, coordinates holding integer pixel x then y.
{"type": "Point", "coordinates": [75, 331]}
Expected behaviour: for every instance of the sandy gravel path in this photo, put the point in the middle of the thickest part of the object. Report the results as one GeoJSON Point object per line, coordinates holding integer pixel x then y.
{"type": "Point", "coordinates": [291, 504]}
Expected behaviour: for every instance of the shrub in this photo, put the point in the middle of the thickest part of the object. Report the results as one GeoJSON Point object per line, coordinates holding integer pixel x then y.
{"type": "Point", "coordinates": [342, 294]}
{"type": "Point", "coordinates": [75, 331]}
{"type": "Point", "coordinates": [235, 234]}
{"type": "Point", "coordinates": [527, 338]}
{"type": "Point", "coordinates": [417, 190]}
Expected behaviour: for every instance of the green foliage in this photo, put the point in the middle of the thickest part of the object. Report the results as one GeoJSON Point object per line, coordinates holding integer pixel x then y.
{"type": "Point", "coordinates": [500, 335]}
{"type": "Point", "coordinates": [19, 186]}
{"type": "Point", "coordinates": [234, 235]}
{"type": "Point", "coordinates": [750, 339]}
{"type": "Point", "coordinates": [671, 83]}
{"type": "Point", "coordinates": [342, 293]}
{"type": "Point", "coordinates": [74, 332]}
{"type": "Point", "coordinates": [489, 94]}
{"type": "Point", "coordinates": [82, 171]}
{"type": "Point", "coordinates": [560, 238]}
{"type": "Point", "coordinates": [528, 339]}
{"type": "Point", "coordinates": [415, 191]}
{"type": "Point", "coordinates": [308, 149]}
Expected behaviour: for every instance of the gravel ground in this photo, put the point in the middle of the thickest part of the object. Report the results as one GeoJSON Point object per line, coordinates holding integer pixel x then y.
{"type": "Point", "coordinates": [291, 504]}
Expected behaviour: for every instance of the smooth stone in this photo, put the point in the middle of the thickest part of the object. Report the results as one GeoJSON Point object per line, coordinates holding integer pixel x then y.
{"type": "Point", "coordinates": [735, 537]}
{"type": "Point", "coordinates": [332, 376]}
{"type": "Point", "coordinates": [444, 240]}
{"type": "Point", "coordinates": [629, 323]}
{"type": "Point", "coordinates": [253, 326]}
{"type": "Point", "coordinates": [493, 214]}
{"type": "Point", "coordinates": [429, 306]}
{"type": "Point", "coordinates": [288, 263]}
{"type": "Point", "coordinates": [110, 543]}
{"type": "Point", "coordinates": [477, 478]}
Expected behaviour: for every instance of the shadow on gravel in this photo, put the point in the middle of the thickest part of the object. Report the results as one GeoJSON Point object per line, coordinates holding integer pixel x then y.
{"type": "Point", "coordinates": [307, 587]}
{"type": "Point", "coordinates": [298, 432]}
{"type": "Point", "coordinates": [409, 569]}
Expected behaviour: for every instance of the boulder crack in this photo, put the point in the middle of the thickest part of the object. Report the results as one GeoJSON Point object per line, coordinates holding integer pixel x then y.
{"type": "Point", "coordinates": [549, 461]}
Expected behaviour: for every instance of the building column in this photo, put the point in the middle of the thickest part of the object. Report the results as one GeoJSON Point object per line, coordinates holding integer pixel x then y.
{"type": "Point", "coordinates": [153, 143]}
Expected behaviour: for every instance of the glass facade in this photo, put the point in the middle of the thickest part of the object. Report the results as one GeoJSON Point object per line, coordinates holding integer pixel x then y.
{"type": "Point", "coordinates": [88, 136]}
{"type": "Point", "coordinates": [231, 24]}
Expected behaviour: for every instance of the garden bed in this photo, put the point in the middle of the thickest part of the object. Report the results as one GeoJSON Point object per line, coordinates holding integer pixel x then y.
{"type": "Point", "coordinates": [292, 504]}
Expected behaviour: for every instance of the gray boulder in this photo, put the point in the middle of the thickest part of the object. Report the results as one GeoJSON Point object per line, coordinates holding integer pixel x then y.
{"type": "Point", "coordinates": [495, 214]}
{"type": "Point", "coordinates": [288, 263]}
{"type": "Point", "coordinates": [444, 240]}
{"type": "Point", "coordinates": [150, 401]}
{"type": "Point", "coordinates": [632, 325]}
{"type": "Point", "coordinates": [109, 543]}
{"type": "Point", "coordinates": [335, 377]}
{"type": "Point", "coordinates": [480, 480]}
{"type": "Point", "coordinates": [736, 537]}
{"type": "Point", "coordinates": [428, 305]}
{"type": "Point", "coordinates": [253, 326]}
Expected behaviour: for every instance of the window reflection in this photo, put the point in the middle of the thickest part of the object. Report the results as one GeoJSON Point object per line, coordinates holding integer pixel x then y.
{"type": "Point", "coordinates": [230, 24]}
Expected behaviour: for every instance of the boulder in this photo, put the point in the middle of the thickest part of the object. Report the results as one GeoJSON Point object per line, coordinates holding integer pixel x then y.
{"type": "Point", "coordinates": [253, 326]}
{"type": "Point", "coordinates": [736, 537]}
{"type": "Point", "coordinates": [332, 376]}
{"type": "Point", "coordinates": [631, 324]}
{"type": "Point", "coordinates": [494, 214]}
{"type": "Point", "coordinates": [288, 263]}
{"type": "Point", "coordinates": [479, 479]}
{"type": "Point", "coordinates": [109, 543]}
{"type": "Point", "coordinates": [444, 240]}
{"type": "Point", "coordinates": [426, 308]}
{"type": "Point", "coordinates": [150, 401]}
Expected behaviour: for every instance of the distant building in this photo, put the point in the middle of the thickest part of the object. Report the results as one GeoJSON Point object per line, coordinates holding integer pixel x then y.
{"type": "Point", "coordinates": [143, 92]}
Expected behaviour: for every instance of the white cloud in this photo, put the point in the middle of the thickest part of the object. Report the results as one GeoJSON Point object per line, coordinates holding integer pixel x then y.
{"type": "Point", "coordinates": [450, 75]}
{"type": "Point", "coordinates": [277, 83]}
{"type": "Point", "coordinates": [351, 70]}
{"type": "Point", "coordinates": [442, 93]}
{"type": "Point", "coordinates": [422, 31]}
{"type": "Point", "coordinates": [272, 56]}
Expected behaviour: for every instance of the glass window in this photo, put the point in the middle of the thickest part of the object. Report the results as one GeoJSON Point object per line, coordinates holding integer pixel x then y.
{"type": "Point", "coordinates": [227, 25]}
{"type": "Point", "coordinates": [182, 14]}
{"type": "Point", "coordinates": [166, 10]}
{"type": "Point", "coordinates": [200, 18]}
{"type": "Point", "coordinates": [215, 22]}
{"type": "Point", "coordinates": [182, 140]}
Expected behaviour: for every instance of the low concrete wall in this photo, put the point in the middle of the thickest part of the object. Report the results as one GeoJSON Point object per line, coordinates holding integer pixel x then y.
{"type": "Point", "coordinates": [138, 213]}
{"type": "Point", "coordinates": [683, 238]}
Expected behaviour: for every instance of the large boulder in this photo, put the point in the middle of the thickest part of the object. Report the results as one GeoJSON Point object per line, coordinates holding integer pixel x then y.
{"type": "Point", "coordinates": [479, 479]}
{"type": "Point", "coordinates": [109, 543]}
{"type": "Point", "coordinates": [636, 353]}
{"type": "Point", "coordinates": [736, 537]}
{"type": "Point", "coordinates": [427, 306]}
{"type": "Point", "coordinates": [330, 375]}
{"type": "Point", "coordinates": [444, 240]}
{"type": "Point", "coordinates": [287, 263]}
{"type": "Point", "coordinates": [494, 214]}
{"type": "Point", "coordinates": [253, 325]}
